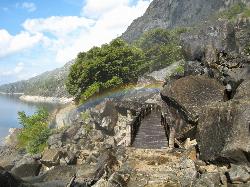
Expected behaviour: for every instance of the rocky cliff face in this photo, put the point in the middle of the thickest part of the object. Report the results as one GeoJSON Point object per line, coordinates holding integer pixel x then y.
{"type": "Point", "coordinates": [175, 13]}
{"type": "Point", "coordinates": [222, 109]}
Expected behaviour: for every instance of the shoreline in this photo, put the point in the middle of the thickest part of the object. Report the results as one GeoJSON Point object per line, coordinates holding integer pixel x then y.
{"type": "Point", "coordinates": [5, 93]}
{"type": "Point", "coordinates": [57, 115]}
{"type": "Point", "coordinates": [41, 99]}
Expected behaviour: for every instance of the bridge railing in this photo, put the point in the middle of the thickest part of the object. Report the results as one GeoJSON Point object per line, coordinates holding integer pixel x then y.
{"type": "Point", "coordinates": [164, 123]}
{"type": "Point", "coordinates": [133, 127]}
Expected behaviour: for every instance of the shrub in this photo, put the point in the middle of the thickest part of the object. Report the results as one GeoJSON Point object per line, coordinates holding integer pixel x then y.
{"type": "Point", "coordinates": [88, 128]}
{"type": "Point", "coordinates": [234, 11]}
{"type": "Point", "coordinates": [35, 132]}
{"type": "Point", "coordinates": [179, 69]}
{"type": "Point", "coordinates": [85, 116]}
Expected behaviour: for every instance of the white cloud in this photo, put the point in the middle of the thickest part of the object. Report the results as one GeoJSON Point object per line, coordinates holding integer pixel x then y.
{"type": "Point", "coordinates": [96, 8]}
{"type": "Point", "coordinates": [10, 44]}
{"type": "Point", "coordinates": [65, 36]}
{"type": "Point", "coordinates": [29, 6]}
{"type": "Point", "coordinates": [18, 68]}
{"type": "Point", "coordinates": [60, 38]}
{"type": "Point", "coordinates": [112, 22]}
{"type": "Point", "coordinates": [56, 25]}
{"type": "Point", "coordinates": [5, 9]}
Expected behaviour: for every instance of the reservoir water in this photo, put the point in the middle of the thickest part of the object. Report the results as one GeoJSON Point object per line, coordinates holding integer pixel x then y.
{"type": "Point", "coordinates": [10, 106]}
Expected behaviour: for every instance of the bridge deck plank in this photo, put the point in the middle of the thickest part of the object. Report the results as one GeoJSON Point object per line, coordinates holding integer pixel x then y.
{"type": "Point", "coordinates": [151, 134]}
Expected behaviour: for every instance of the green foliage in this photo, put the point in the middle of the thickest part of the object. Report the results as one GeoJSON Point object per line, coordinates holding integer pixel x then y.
{"type": "Point", "coordinates": [114, 82]}
{"type": "Point", "coordinates": [103, 68]}
{"type": "Point", "coordinates": [234, 11]}
{"type": "Point", "coordinates": [246, 12]}
{"type": "Point", "coordinates": [35, 132]}
{"type": "Point", "coordinates": [179, 69]}
{"type": "Point", "coordinates": [247, 50]}
{"type": "Point", "coordinates": [88, 128]}
{"type": "Point", "coordinates": [161, 47]}
{"type": "Point", "coordinates": [85, 115]}
{"type": "Point", "coordinates": [117, 63]}
{"type": "Point", "coordinates": [90, 91]}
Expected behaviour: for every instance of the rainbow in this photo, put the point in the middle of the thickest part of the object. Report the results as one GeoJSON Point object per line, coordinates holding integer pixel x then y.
{"type": "Point", "coordinates": [119, 93]}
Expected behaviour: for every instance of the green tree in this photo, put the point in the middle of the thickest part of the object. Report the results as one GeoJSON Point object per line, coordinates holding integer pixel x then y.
{"type": "Point", "coordinates": [161, 47]}
{"type": "Point", "coordinates": [105, 67]}
{"type": "Point", "coordinates": [35, 132]}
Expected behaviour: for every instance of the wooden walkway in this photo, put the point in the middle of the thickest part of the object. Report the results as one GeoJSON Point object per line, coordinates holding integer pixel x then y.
{"type": "Point", "coordinates": [151, 134]}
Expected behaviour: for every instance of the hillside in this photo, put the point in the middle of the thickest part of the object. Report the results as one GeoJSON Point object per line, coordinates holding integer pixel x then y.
{"type": "Point", "coordinates": [48, 84]}
{"type": "Point", "coordinates": [170, 14]}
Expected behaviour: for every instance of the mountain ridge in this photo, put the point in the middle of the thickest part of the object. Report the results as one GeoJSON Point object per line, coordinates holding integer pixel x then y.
{"type": "Point", "coordinates": [47, 84]}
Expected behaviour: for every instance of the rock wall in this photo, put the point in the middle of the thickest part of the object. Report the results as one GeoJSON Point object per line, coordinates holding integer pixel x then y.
{"type": "Point", "coordinates": [175, 13]}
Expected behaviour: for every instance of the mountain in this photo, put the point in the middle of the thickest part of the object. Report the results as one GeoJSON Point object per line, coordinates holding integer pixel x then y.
{"type": "Point", "coordinates": [175, 13]}
{"type": "Point", "coordinates": [48, 84]}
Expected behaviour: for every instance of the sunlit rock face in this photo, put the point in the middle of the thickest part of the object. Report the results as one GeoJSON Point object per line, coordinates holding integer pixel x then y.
{"type": "Point", "coordinates": [222, 131]}
{"type": "Point", "coordinates": [175, 13]}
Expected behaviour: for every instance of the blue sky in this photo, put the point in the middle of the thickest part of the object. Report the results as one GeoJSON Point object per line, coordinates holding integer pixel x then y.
{"type": "Point", "coordinates": [41, 35]}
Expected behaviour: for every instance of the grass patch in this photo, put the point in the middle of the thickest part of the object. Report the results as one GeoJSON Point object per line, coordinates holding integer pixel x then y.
{"type": "Point", "coordinates": [180, 69]}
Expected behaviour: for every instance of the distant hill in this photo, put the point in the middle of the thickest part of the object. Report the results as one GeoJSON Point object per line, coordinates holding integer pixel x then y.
{"type": "Point", "coordinates": [175, 13]}
{"type": "Point", "coordinates": [48, 84]}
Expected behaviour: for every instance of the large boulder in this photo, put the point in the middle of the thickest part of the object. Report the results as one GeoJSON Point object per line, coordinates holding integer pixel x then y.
{"type": "Point", "coordinates": [105, 116]}
{"type": "Point", "coordinates": [189, 94]}
{"type": "Point", "coordinates": [106, 165]}
{"type": "Point", "coordinates": [223, 132]}
{"type": "Point", "coordinates": [10, 156]}
{"type": "Point", "coordinates": [26, 167]}
{"type": "Point", "coordinates": [9, 180]}
{"type": "Point", "coordinates": [239, 174]}
{"type": "Point", "coordinates": [51, 157]}
{"type": "Point", "coordinates": [56, 183]}
{"type": "Point", "coordinates": [243, 91]}
{"type": "Point", "coordinates": [208, 179]}
{"type": "Point", "coordinates": [60, 173]}
{"type": "Point", "coordinates": [224, 128]}
{"type": "Point", "coordinates": [55, 140]}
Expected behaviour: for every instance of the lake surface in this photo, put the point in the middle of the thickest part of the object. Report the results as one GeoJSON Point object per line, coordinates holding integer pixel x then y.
{"type": "Point", "coordinates": [10, 106]}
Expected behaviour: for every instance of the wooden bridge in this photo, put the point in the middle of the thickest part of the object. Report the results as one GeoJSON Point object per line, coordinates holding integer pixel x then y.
{"type": "Point", "coordinates": [148, 129]}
